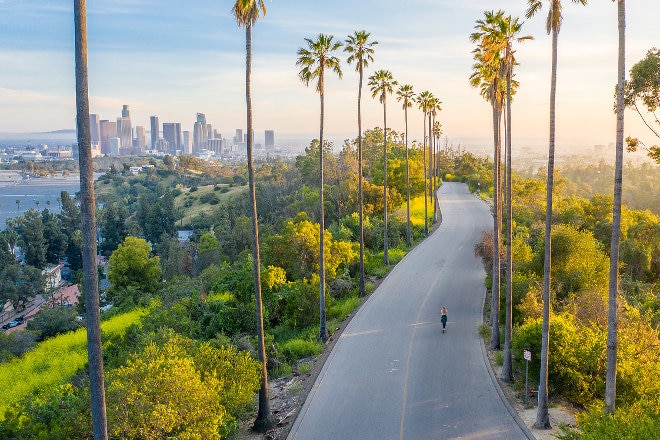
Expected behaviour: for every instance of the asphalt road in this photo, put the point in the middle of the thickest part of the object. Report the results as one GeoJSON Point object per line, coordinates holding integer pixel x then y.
{"type": "Point", "coordinates": [393, 374]}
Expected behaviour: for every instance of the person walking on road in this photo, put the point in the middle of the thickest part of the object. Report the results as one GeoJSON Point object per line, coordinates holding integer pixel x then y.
{"type": "Point", "coordinates": [443, 318]}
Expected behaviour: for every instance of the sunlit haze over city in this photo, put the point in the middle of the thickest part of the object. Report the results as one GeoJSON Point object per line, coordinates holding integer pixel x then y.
{"type": "Point", "coordinates": [175, 59]}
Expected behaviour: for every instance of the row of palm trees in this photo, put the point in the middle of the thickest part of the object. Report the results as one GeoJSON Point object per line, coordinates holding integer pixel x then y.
{"type": "Point", "coordinates": [314, 59]}
{"type": "Point", "coordinates": [493, 75]}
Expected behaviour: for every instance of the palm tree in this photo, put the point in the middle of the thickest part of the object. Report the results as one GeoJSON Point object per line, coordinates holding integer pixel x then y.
{"type": "Point", "coordinates": [382, 84]}
{"type": "Point", "coordinates": [360, 50]}
{"type": "Point", "coordinates": [435, 132]}
{"type": "Point", "coordinates": [247, 12]}
{"type": "Point", "coordinates": [487, 76]}
{"type": "Point", "coordinates": [610, 379]}
{"type": "Point", "coordinates": [424, 103]}
{"type": "Point", "coordinates": [314, 59]}
{"type": "Point", "coordinates": [18, 204]}
{"type": "Point", "coordinates": [405, 94]}
{"type": "Point", "coordinates": [499, 42]}
{"type": "Point", "coordinates": [553, 24]}
{"type": "Point", "coordinates": [87, 208]}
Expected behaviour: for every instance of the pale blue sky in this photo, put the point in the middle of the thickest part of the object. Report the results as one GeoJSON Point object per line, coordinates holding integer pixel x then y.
{"type": "Point", "coordinates": [173, 59]}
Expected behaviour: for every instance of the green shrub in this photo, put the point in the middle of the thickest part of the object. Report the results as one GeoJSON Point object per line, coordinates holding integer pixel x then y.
{"type": "Point", "coordinates": [299, 348]}
{"type": "Point", "coordinates": [342, 308]}
{"type": "Point", "coordinates": [637, 422]}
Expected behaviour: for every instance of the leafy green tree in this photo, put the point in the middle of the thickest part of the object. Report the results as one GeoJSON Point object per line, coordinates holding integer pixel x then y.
{"type": "Point", "coordinates": [113, 226]}
{"type": "Point", "coordinates": [20, 283]}
{"type": "Point", "coordinates": [174, 389]}
{"type": "Point", "coordinates": [296, 250]}
{"type": "Point", "coordinates": [553, 24]}
{"type": "Point", "coordinates": [132, 267]}
{"type": "Point", "coordinates": [6, 255]}
{"type": "Point", "coordinates": [32, 237]}
{"type": "Point", "coordinates": [56, 240]}
{"type": "Point", "coordinates": [70, 218]}
{"type": "Point", "coordinates": [51, 321]}
{"type": "Point", "coordinates": [382, 84]}
{"type": "Point", "coordinates": [360, 50]}
{"type": "Point", "coordinates": [247, 13]}
{"type": "Point", "coordinates": [314, 59]}
{"type": "Point", "coordinates": [643, 91]}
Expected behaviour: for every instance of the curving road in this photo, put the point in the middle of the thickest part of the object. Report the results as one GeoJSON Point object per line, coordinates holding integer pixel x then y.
{"type": "Point", "coordinates": [393, 374]}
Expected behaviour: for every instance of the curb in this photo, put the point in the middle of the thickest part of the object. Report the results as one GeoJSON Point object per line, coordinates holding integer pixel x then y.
{"type": "Point", "coordinates": [509, 408]}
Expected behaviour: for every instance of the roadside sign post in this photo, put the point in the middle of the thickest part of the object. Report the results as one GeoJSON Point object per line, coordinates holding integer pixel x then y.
{"type": "Point", "coordinates": [528, 357]}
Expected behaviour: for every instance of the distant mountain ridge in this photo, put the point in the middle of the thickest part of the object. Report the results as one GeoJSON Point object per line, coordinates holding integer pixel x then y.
{"type": "Point", "coordinates": [67, 134]}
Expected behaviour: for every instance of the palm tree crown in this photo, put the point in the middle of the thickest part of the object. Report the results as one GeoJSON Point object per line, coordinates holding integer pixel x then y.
{"type": "Point", "coordinates": [316, 58]}
{"type": "Point", "coordinates": [382, 84]}
{"type": "Point", "coordinates": [360, 49]}
{"type": "Point", "coordinates": [247, 12]}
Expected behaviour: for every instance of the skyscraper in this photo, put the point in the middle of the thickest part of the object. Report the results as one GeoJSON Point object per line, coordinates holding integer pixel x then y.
{"type": "Point", "coordinates": [239, 136]}
{"type": "Point", "coordinates": [186, 148]}
{"type": "Point", "coordinates": [95, 130]}
{"type": "Point", "coordinates": [125, 131]}
{"type": "Point", "coordinates": [172, 134]}
{"type": "Point", "coordinates": [270, 140]}
{"type": "Point", "coordinates": [200, 134]}
{"type": "Point", "coordinates": [108, 131]}
{"type": "Point", "coordinates": [155, 131]}
{"type": "Point", "coordinates": [140, 138]}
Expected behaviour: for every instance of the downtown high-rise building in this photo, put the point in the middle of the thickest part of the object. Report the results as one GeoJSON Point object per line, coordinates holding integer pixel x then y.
{"type": "Point", "coordinates": [155, 131]}
{"type": "Point", "coordinates": [108, 130]}
{"type": "Point", "coordinates": [95, 131]}
{"type": "Point", "coordinates": [200, 133]}
{"type": "Point", "coordinates": [172, 134]}
{"type": "Point", "coordinates": [140, 138]}
{"type": "Point", "coordinates": [269, 143]}
{"type": "Point", "coordinates": [186, 148]}
{"type": "Point", "coordinates": [125, 131]}
{"type": "Point", "coordinates": [238, 139]}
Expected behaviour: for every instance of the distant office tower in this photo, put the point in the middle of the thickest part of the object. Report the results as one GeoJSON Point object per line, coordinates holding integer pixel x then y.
{"type": "Point", "coordinates": [239, 136]}
{"type": "Point", "coordinates": [125, 113]}
{"type": "Point", "coordinates": [115, 146]}
{"type": "Point", "coordinates": [200, 134]}
{"type": "Point", "coordinates": [140, 137]}
{"type": "Point", "coordinates": [270, 140]}
{"type": "Point", "coordinates": [186, 148]}
{"type": "Point", "coordinates": [155, 131]}
{"type": "Point", "coordinates": [108, 131]}
{"type": "Point", "coordinates": [172, 134]}
{"type": "Point", "coordinates": [125, 131]}
{"type": "Point", "coordinates": [95, 131]}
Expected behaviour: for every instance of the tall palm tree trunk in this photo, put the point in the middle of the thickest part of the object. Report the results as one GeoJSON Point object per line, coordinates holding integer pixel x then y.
{"type": "Point", "coordinates": [610, 379]}
{"type": "Point", "coordinates": [426, 209]}
{"type": "Point", "coordinates": [360, 192]}
{"type": "Point", "coordinates": [507, 367]}
{"type": "Point", "coordinates": [434, 168]}
{"type": "Point", "coordinates": [495, 288]}
{"type": "Point", "coordinates": [264, 419]}
{"type": "Point", "coordinates": [87, 208]}
{"type": "Point", "coordinates": [430, 165]}
{"type": "Point", "coordinates": [408, 237]}
{"type": "Point", "coordinates": [386, 259]}
{"type": "Point", "coordinates": [542, 414]}
{"type": "Point", "coordinates": [323, 331]}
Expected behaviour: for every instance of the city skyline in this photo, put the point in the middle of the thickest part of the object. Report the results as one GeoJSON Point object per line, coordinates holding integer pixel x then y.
{"type": "Point", "coordinates": [176, 60]}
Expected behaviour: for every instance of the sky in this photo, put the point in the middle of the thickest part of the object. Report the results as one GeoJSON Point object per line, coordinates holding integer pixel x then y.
{"type": "Point", "coordinates": [173, 59]}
